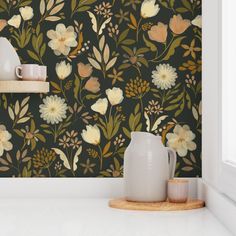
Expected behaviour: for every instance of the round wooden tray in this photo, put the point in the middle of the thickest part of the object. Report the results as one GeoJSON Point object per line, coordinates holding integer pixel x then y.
{"type": "Point", "coordinates": [155, 206]}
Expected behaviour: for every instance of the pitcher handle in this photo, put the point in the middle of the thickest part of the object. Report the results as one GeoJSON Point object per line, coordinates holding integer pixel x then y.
{"type": "Point", "coordinates": [172, 162]}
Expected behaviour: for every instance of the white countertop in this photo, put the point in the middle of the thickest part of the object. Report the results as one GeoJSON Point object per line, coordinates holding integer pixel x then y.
{"type": "Point", "coordinates": [93, 217]}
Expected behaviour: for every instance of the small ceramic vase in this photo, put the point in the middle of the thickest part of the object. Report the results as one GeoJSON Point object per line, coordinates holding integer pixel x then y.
{"type": "Point", "coordinates": [178, 190]}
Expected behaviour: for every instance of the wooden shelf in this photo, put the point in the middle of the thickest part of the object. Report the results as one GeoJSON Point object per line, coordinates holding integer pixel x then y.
{"type": "Point", "coordinates": [19, 86]}
{"type": "Point", "coordinates": [156, 206]}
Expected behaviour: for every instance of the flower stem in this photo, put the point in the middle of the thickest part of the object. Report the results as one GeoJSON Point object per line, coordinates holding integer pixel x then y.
{"type": "Point", "coordinates": [157, 58]}
{"type": "Point", "coordinates": [137, 32]}
{"type": "Point", "coordinates": [101, 157]}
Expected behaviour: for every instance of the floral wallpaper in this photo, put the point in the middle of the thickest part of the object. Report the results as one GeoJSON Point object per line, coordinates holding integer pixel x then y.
{"type": "Point", "coordinates": [114, 66]}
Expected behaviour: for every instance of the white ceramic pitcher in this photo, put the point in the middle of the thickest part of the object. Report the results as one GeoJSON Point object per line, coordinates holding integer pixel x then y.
{"type": "Point", "coordinates": [8, 60]}
{"type": "Point", "coordinates": [148, 165]}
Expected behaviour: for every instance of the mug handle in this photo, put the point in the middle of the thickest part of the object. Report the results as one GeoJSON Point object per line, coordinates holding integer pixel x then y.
{"type": "Point", "coordinates": [172, 162]}
{"type": "Point", "coordinates": [18, 72]}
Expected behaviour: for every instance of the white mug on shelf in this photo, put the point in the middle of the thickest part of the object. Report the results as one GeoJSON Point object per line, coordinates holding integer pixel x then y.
{"type": "Point", "coordinates": [28, 72]}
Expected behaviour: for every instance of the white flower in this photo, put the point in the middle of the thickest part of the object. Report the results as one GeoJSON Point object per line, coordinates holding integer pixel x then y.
{"type": "Point", "coordinates": [62, 39]}
{"type": "Point", "coordinates": [5, 136]}
{"type": "Point", "coordinates": [63, 70]}
{"type": "Point", "coordinates": [164, 76]}
{"type": "Point", "coordinates": [27, 13]}
{"type": "Point", "coordinates": [100, 106]}
{"type": "Point", "coordinates": [53, 109]}
{"type": "Point", "coordinates": [181, 140]}
{"type": "Point", "coordinates": [15, 21]}
{"type": "Point", "coordinates": [115, 96]}
{"type": "Point", "coordinates": [149, 9]}
{"type": "Point", "coordinates": [197, 21]}
{"type": "Point", "coordinates": [91, 134]}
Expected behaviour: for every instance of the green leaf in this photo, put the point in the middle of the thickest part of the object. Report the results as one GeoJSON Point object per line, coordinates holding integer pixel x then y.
{"type": "Point", "coordinates": [56, 86]}
{"type": "Point", "coordinates": [84, 8]}
{"type": "Point", "coordinates": [126, 132]}
{"type": "Point", "coordinates": [76, 88]}
{"type": "Point", "coordinates": [172, 107]}
{"type": "Point", "coordinates": [128, 42]}
{"type": "Point", "coordinates": [150, 45]}
{"type": "Point", "coordinates": [172, 3]}
{"type": "Point", "coordinates": [33, 55]}
{"type": "Point", "coordinates": [176, 43]}
{"type": "Point", "coordinates": [123, 36]}
{"type": "Point", "coordinates": [187, 168]}
{"type": "Point", "coordinates": [187, 4]}
{"type": "Point", "coordinates": [92, 96]}
{"type": "Point", "coordinates": [179, 111]}
{"type": "Point", "coordinates": [181, 10]}
{"type": "Point", "coordinates": [73, 5]}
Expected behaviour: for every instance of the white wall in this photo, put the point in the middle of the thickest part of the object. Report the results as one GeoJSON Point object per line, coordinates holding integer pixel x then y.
{"type": "Point", "coordinates": [211, 99]}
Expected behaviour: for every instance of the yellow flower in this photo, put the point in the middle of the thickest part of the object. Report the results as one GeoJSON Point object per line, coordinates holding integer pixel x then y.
{"type": "Point", "coordinates": [91, 134]}
{"type": "Point", "coordinates": [27, 13]}
{"type": "Point", "coordinates": [63, 70]}
{"type": "Point", "coordinates": [136, 88]}
{"type": "Point", "coordinates": [15, 21]}
{"type": "Point", "coordinates": [115, 96]}
{"type": "Point", "coordinates": [178, 25]}
{"type": "Point", "coordinates": [43, 158]}
{"type": "Point", "coordinates": [100, 106]}
{"type": "Point", "coordinates": [191, 49]}
{"type": "Point", "coordinates": [149, 9]}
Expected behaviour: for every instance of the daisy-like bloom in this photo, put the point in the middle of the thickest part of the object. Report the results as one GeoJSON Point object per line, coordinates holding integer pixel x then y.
{"type": "Point", "coordinates": [164, 76]}
{"type": "Point", "coordinates": [149, 8]}
{"type": "Point", "coordinates": [27, 13]}
{"type": "Point", "coordinates": [153, 108]}
{"type": "Point", "coordinates": [62, 39]}
{"type": "Point", "coordinates": [75, 143]}
{"type": "Point", "coordinates": [100, 106]}
{"type": "Point", "coordinates": [91, 134]}
{"type": "Point", "coordinates": [53, 110]}
{"type": "Point", "coordinates": [64, 142]}
{"type": "Point", "coordinates": [5, 144]}
{"type": "Point", "coordinates": [63, 70]}
{"type": "Point", "coordinates": [15, 21]}
{"type": "Point", "coordinates": [181, 140]}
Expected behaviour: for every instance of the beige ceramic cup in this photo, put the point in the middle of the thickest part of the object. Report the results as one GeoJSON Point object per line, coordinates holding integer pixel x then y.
{"type": "Point", "coordinates": [28, 72]}
{"type": "Point", "coordinates": [177, 190]}
{"type": "Point", "coordinates": [42, 73]}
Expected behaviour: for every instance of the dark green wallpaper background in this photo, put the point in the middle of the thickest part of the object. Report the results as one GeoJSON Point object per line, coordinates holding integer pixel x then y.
{"type": "Point", "coordinates": [114, 66]}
